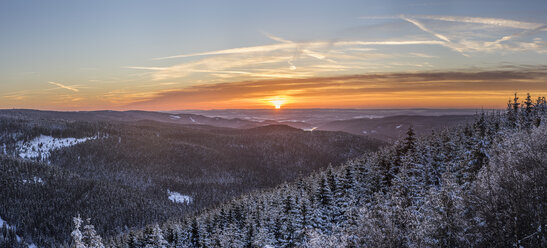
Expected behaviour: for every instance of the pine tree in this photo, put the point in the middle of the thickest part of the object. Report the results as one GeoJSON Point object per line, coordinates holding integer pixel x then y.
{"type": "Point", "coordinates": [170, 234]}
{"type": "Point", "coordinates": [250, 236]}
{"type": "Point", "coordinates": [410, 141]}
{"type": "Point", "coordinates": [147, 238]}
{"type": "Point", "coordinates": [132, 240]}
{"type": "Point", "coordinates": [77, 236]}
{"type": "Point", "coordinates": [90, 236]}
{"type": "Point", "coordinates": [331, 179]}
{"type": "Point", "coordinates": [195, 234]}
{"type": "Point", "coordinates": [323, 195]}
{"type": "Point", "coordinates": [157, 237]}
{"type": "Point", "coordinates": [304, 211]}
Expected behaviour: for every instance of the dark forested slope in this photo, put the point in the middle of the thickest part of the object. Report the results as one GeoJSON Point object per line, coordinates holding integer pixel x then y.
{"type": "Point", "coordinates": [122, 174]}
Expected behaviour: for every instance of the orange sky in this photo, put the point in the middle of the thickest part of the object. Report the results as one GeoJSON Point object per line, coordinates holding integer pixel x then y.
{"type": "Point", "coordinates": [462, 89]}
{"type": "Point", "coordinates": [481, 89]}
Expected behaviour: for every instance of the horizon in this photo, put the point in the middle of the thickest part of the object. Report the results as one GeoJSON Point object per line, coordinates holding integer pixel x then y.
{"type": "Point", "coordinates": [253, 109]}
{"type": "Point", "coordinates": [124, 55]}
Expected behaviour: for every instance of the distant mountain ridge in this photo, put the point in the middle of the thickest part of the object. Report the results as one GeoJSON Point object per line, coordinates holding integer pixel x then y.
{"type": "Point", "coordinates": [393, 127]}
{"type": "Point", "coordinates": [127, 116]}
{"type": "Point", "coordinates": [378, 126]}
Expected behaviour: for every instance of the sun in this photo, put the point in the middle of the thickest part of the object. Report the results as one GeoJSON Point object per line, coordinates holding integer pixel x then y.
{"type": "Point", "coordinates": [277, 103]}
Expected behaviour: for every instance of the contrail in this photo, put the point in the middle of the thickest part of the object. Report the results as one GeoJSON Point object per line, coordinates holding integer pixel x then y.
{"type": "Point", "coordinates": [64, 86]}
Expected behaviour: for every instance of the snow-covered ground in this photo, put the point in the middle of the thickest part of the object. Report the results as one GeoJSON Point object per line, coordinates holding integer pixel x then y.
{"type": "Point", "coordinates": [19, 239]}
{"type": "Point", "coordinates": [174, 117]}
{"type": "Point", "coordinates": [177, 197]}
{"type": "Point", "coordinates": [42, 146]}
{"type": "Point", "coordinates": [309, 129]}
{"type": "Point", "coordinates": [35, 180]}
{"type": "Point", "coordinates": [399, 126]}
{"type": "Point", "coordinates": [9, 227]}
{"type": "Point", "coordinates": [192, 119]}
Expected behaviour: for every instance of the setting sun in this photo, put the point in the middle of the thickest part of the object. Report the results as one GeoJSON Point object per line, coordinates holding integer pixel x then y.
{"type": "Point", "coordinates": [278, 103]}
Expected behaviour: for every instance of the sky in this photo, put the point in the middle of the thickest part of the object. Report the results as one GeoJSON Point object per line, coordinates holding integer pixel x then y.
{"type": "Point", "coordinates": [174, 55]}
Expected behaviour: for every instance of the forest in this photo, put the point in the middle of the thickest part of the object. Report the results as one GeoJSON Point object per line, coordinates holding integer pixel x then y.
{"type": "Point", "coordinates": [479, 185]}
{"type": "Point", "coordinates": [125, 173]}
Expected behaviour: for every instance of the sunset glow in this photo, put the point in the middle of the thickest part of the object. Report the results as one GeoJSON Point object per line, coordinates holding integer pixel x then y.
{"type": "Point", "coordinates": [351, 56]}
{"type": "Point", "coordinates": [277, 102]}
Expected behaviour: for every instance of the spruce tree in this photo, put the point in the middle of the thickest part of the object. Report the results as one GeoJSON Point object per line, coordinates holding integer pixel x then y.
{"type": "Point", "coordinates": [77, 236]}
{"type": "Point", "coordinates": [90, 236]}
{"type": "Point", "coordinates": [410, 141]}
{"type": "Point", "coordinates": [195, 234]}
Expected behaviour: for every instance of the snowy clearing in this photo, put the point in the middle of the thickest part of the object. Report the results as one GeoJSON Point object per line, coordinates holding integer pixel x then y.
{"type": "Point", "coordinates": [399, 126]}
{"type": "Point", "coordinates": [41, 146]}
{"type": "Point", "coordinates": [174, 117]}
{"type": "Point", "coordinates": [177, 197]}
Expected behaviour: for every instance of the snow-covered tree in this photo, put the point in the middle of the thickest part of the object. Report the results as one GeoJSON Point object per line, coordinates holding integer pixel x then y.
{"type": "Point", "coordinates": [91, 238]}
{"type": "Point", "coordinates": [77, 236]}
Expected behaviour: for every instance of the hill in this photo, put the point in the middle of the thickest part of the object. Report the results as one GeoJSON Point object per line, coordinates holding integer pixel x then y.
{"type": "Point", "coordinates": [394, 127]}
{"type": "Point", "coordinates": [479, 185]}
{"type": "Point", "coordinates": [127, 174]}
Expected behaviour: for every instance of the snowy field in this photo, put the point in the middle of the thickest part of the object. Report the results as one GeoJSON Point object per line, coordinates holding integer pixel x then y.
{"type": "Point", "coordinates": [177, 197]}
{"type": "Point", "coordinates": [41, 146]}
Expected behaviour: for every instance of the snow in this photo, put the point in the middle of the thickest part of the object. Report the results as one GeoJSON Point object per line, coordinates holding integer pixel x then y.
{"type": "Point", "coordinates": [9, 227]}
{"type": "Point", "coordinates": [399, 126]}
{"type": "Point", "coordinates": [174, 117]}
{"type": "Point", "coordinates": [192, 119]}
{"type": "Point", "coordinates": [365, 131]}
{"type": "Point", "coordinates": [43, 145]}
{"type": "Point", "coordinates": [2, 222]}
{"type": "Point", "coordinates": [309, 129]}
{"type": "Point", "coordinates": [177, 197]}
{"type": "Point", "coordinates": [35, 180]}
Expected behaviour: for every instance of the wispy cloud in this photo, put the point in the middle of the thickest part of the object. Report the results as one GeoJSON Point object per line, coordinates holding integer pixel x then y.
{"type": "Point", "coordinates": [522, 34]}
{"type": "Point", "coordinates": [474, 39]}
{"type": "Point", "coordinates": [424, 28]}
{"type": "Point", "coordinates": [482, 20]}
{"type": "Point", "coordinates": [351, 91]}
{"type": "Point", "coordinates": [71, 88]}
{"type": "Point", "coordinates": [286, 59]}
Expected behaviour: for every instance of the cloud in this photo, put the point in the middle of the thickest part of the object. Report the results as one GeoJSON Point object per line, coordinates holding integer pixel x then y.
{"type": "Point", "coordinates": [425, 29]}
{"type": "Point", "coordinates": [286, 59]}
{"type": "Point", "coordinates": [358, 90]}
{"type": "Point", "coordinates": [481, 20]}
{"type": "Point", "coordinates": [474, 39]}
{"type": "Point", "coordinates": [522, 34]}
{"type": "Point", "coordinates": [71, 88]}
{"type": "Point", "coordinates": [240, 50]}
{"type": "Point", "coordinates": [447, 41]}
{"type": "Point", "coordinates": [280, 60]}
{"type": "Point", "coordinates": [300, 48]}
